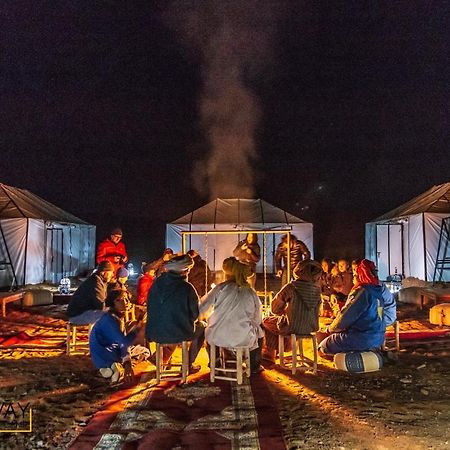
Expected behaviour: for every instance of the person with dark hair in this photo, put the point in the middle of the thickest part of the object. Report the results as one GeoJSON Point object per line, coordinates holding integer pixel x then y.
{"type": "Point", "coordinates": [295, 308]}
{"type": "Point", "coordinates": [110, 347]}
{"type": "Point", "coordinates": [341, 284]}
{"type": "Point", "coordinates": [87, 303]}
{"type": "Point", "coordinates": [200, 275]}
{"type": "Point", "coordinates": [172, 310]}
{"type": "Point", "coordinates": [325, 287]}
{"type": "Point", "coordinates": [236, 315]}
{"type": "Point", "coordinates": [298, 252]}
{"type": "Point", "coordinates": [144, 283]}
{"type": "Point", "coordinates": [248, 252]}
{"type": "Point", "coordinates": [360, 325]}
{"type": "Point", "coordinates": [112, 249]}
{"type": "Point", "coordinates": [121, 282]}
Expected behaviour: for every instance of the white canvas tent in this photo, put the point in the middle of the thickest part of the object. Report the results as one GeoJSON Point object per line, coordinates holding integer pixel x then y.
{"type": "Point", "coordinates": [39, 241]}
{"type": "Point", "coordinates": [238, 216]}
{"type": "Point", "coordinates": [407, 237]}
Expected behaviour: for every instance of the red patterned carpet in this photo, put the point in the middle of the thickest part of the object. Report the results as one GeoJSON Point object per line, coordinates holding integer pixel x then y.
{"type": "Point", "coordinates": [198, 415]}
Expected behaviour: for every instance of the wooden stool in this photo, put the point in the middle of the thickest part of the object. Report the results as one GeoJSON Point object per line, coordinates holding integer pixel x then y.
{"type": "Point", "coordinates": [298, 359]}
{"type": "Point", "coordinates": [71, 337]}
{"type": "Point", "coordinates": [396, 326]}
{"type": "Point", "coordinates": [242, 356]}
{"type": "Point", "coordinates": [165, 371]}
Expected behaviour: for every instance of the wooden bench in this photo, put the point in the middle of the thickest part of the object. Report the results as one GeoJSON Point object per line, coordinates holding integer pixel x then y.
{"type": "Point", "coordinates": [8, 297]}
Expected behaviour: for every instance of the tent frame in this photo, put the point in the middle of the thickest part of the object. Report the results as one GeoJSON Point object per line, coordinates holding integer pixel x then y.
{"type": "Point", "coordinates": [8, 262]}
{"type": "Point", "coordinates": [442, 263]}
{"type": "Point", "coordinates": [286, 231]}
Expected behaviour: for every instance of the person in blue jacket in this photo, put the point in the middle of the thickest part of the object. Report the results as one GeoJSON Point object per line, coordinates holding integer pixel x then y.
{"type": "Point", "coordinates": [361, 324]}
{"type": "Point", "coordinates": [108, 344]}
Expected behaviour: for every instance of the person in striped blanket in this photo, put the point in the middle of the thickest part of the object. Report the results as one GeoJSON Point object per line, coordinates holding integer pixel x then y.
{"type": "Point", "coordinates": [295, 309]}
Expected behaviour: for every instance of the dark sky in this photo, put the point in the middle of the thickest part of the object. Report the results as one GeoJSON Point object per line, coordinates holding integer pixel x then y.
{"type": "Point", "coordinates": [99, 111]}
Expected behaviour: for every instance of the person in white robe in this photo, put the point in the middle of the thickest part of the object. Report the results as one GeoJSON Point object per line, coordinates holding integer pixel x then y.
{"type": "Point", "coordinates": [234, 313]}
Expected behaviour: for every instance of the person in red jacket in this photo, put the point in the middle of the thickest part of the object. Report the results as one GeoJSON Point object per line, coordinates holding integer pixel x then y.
{"type": "Point", "coordinates": [112, 249]}
{"type": "Point", "coordinates": [144, 283]}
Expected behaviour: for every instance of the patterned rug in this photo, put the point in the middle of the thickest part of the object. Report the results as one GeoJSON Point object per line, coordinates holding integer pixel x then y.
{"type": "Point", "coordinates": [198, 415]}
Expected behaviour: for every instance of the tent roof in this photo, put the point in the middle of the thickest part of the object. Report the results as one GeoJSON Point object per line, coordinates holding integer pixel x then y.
{"type": "Point", "coordinates": [436, 199]}
{"type": "Point", "coordinates": [20, 203]}
{"type": "Point", "coordinates": [238, 211]}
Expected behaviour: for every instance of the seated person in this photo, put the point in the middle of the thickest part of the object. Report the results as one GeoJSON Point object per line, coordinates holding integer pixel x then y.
{"type": "Point", "coordinates": [295, 307]}
{"type": "Point", "coordinates": [360, 325]}
{"type": "Point", "coordinates": [121, 283]}
{"type": "Point", "coordinates": [341, 284]}
{"type": "Point", "coordinates": [144, 283]}
{"type": "Point", "coordinates": [325, 287]}
{"type": "Point", "coordinates": [109, 346]}
{"type": "Point", "coordinates": [172, 310]}
{"type": "Point", "coordinates": [235, 320]}
{"type": "Point", "coordinates": [87, 303]}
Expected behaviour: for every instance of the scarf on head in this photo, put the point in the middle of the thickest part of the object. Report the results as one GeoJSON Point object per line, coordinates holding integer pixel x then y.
{"type": "Point", "coordinates": [234, 269]}
{"type": "Point", "coordinates": [367, 274]}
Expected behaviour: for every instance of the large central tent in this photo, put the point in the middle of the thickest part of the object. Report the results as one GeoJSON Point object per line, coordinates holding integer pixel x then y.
{"type": "Point", "coordinates": [39, 241]}
{"type": "Point", "coordinates": [201, 229]}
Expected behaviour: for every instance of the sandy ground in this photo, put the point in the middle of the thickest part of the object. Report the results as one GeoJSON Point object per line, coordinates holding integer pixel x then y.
{"type": "Point", "coordinates": [406, 405]}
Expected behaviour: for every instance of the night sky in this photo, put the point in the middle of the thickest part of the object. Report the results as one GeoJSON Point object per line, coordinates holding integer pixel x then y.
{"type": "Point", "coordinates": [346, 111]}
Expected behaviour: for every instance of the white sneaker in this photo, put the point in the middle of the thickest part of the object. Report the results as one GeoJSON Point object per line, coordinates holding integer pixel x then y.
{"type": "Point", "coordinates": [106, 372]}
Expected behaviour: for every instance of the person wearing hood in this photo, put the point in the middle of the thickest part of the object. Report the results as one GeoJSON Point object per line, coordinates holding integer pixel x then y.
{"type": "Point", "coordinates": [172, 310]}
{"type": "Point", "coordinates": [235, 319]}
{"type": "Point", "coordinates": [360, 325]}
{"type": "Point", "coordinates": [295, 308]}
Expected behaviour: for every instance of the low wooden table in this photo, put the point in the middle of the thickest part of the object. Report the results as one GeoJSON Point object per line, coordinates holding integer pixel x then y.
{"type": "Point", "coordinates": [8, 297]}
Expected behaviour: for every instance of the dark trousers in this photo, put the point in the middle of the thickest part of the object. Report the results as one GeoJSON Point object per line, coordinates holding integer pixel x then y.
{"type": "Point", "coordinates": [270, 325]}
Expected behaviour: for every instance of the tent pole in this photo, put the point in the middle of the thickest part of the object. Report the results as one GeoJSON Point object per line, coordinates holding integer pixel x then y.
{"type": "Point", "coordinates": [26, 251]}
{"type": "Point", "coordinates": [288, 257]}
{"type": "Point", "coordinates": [183, 247]}
{"type": "Point", "coordinates": [206, 264]}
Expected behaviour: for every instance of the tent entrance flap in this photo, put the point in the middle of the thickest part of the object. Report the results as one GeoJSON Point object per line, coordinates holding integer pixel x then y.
{"type": "Point", "coordinates": [389, 249]}
{"type": "Point", "coordinates": [54, 255]}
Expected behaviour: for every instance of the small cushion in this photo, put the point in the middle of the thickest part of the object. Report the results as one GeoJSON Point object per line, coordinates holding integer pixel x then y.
{"type": "Point", "coordinates": [358, 362]}
{"type": "Point", "coordinates": [36, 297]}
{"type": "Point", "coordinates": [440, 314]}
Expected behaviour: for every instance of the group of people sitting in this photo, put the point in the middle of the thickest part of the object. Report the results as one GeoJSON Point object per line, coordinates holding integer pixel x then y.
{"type": "Point", "coordinates": [336, 282]}
{"type": "Point", "coordinates": [229, 315]}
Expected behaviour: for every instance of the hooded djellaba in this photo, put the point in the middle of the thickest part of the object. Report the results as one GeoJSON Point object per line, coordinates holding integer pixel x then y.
{"type": "Point", "coordinates": [296, 306]}
{"type": "Point", "coordinates": [172, 304]}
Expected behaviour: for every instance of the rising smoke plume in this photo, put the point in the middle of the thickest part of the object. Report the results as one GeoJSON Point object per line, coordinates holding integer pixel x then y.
{"type": "Point", "coordinates": [233, 42]}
